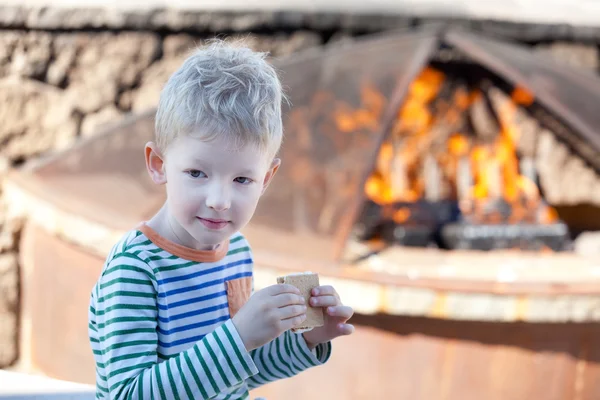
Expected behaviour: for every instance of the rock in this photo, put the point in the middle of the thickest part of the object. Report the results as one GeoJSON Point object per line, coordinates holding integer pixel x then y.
{"type": "Point", "coordinates": [9, 308]}
{"type": "Point", "coordinates": [280, 44]}
{"type": "Point", "coordinates": [31, 55]}
{"type": "Point", "coordinates": [298, 41]}
{"type": "Point", "coordinates": [125, 100]}
{"type": "Point", "coordinates": [180, 44]}
{"type": "Point", "coordinates": [65, 51]}
{"type": "Point", "coordinates": [92, 123]}
{"type": "Point", "coordinates": [110, 64]}
{"type": "Point", "coordinates": [8, 42]}
{"type": "Point", "coordinates": [35, 118]}
{"type": "Point", "coordinates": [572, 54]}
{"type": "Point", "coordinates": [153, 80]}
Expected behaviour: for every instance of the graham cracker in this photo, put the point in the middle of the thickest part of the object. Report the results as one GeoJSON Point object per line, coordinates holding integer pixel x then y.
{"type": "Point", "coordinates": [305, 282]}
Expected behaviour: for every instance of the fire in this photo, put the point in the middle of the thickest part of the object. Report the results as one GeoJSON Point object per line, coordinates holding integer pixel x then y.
{"type": "Point", "coordinates": [479, 170]}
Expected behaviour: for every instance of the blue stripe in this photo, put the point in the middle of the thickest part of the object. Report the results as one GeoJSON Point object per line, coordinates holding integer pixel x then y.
{"type": "Point", "coordinates": [193, 313]}
{"type": "Point", "coordinates": [204, 285]}
{"type": "Point", "coordinates": [192, 301]}
{"type": "Point", "coordinates": [206, 271]}
{"type": "Point", "coordinates": [184, 328]}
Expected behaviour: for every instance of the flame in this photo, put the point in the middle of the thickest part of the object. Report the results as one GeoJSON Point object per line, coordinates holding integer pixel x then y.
{"type": "Point", "coordinates": [494, 169]}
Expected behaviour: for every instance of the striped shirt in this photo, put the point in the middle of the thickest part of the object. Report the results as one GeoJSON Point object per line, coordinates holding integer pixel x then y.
{"type": "Point", "coordinates": [160, 325]}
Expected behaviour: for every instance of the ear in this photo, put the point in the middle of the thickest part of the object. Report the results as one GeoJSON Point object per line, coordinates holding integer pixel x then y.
{"type": "Point", "coordinates": [271, 173]}
{"type": "Point", "coordinates": [155, 163]}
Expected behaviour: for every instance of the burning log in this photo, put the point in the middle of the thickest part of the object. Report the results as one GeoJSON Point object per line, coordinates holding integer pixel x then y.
{"type": "Point", "coordinates": [459, 147]}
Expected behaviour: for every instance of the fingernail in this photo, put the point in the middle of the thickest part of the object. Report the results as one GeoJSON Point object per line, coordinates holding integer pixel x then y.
{"type": "Point", "coordinates": [315, 302]}
{"type": "Point", "coordinates": [316, 292]}
{"type": "Point", "coordinates": [330, 310]}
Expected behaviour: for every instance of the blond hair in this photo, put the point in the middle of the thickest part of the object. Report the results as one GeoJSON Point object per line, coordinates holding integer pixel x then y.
{"type": "Point", "coordinates": [223, 90]}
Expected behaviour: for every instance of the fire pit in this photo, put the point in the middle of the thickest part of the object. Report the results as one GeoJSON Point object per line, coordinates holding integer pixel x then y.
{"type": "Point", "coordinates": [405, 156]}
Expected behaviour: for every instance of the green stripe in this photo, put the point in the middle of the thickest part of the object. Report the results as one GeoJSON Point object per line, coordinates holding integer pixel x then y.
{"type": "Point", "coordinates": [256, 353]}
{"type": "Point", "coordinates": [272, 359]}
{"type": "Point", "coordinates": [160, 384]}
{"type": "Point", "coordinates": [182, 376]}
{"type": "Point", "coordinates": [206, 369]}
{"type": "Point", "coordinates": [125, 267]}
{"type": "Point", "coordinates": [225, 352]}
{"type": "Point", "coordinates": [194, 374]}
{"type": "Point", "coordinates": [126, 293]}
{"type": "Point", "coordinates": [290, 360]}
{"type": "Point", "coordinates": [125, 280]}
{"type": "Point", "coordinates": [264, 355]}
{"type": "Point", "coordinates": [237, 351]}
{"type": "Point", "coordinates": [102, 388]}
{"type": "Point", "coordinates": [174, 267]}
{"type": "Point", "coordinates": [172, 381]}
{"type": "Point", "coordinates": [127, 307]}
{"type": "Point", "coordinates": [133, 246]}
{"type": "Point", "coordinates": [302, 351]}
{"type": "Point", "coordinates": [160, 258]}
{"type": "Point", "coordinates": [92, 327]}
{"type": "Point", "coordinates": [129, 356]}
{"type": "Point", "coordinates": [127, 332]}
{"type": "Point", "coordinates": [236, 239]}
{"type": "Point", "coordinates": [125, 319]}
{"type": "Point", "coordinates": [217, 364]}
{"type": "Point", "coordinates": [140, 383]}
{"type": "Point", "coordinates": [283, 363]}
{"type": "Point", "coordinates": [128, 344]}
{"type": "Point", "coordinates": [288, 348]}
{"type": "Point", "coordinates": [238, 250]}
{"type": "Point", "coordinates": [130, 368]}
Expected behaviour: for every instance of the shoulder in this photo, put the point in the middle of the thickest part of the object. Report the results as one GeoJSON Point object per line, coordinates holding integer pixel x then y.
{"type": "Point", "coordinates": [239, 248]}
{"type": "Point", "coordinates": [131, 251]}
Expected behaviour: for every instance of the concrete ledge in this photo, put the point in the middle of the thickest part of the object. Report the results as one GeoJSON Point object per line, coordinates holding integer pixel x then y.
{"type": "Point", "coordinates": [14, 385]}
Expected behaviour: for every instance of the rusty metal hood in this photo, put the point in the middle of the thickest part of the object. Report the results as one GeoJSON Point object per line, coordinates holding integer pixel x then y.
{"type": "Point", "coordinates": [570, 95]}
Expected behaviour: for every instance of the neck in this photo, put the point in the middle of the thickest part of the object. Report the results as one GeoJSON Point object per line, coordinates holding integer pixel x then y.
{"type": "Point", "coordinates": [167, 227]}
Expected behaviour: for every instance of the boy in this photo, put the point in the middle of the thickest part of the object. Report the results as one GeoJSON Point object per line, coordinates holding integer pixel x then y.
{"type": "Point", "coordinates": [171, 316]}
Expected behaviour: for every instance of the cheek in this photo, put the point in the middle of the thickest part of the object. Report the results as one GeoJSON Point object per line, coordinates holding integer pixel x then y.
{"type": "Point", "coordinates": [247, 201]}
{"type": "Point", "coordinates": [181, 198]}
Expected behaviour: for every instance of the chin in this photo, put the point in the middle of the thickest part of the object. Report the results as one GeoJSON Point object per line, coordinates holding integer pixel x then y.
{"type": "Point", "coordinates": [211, 238]}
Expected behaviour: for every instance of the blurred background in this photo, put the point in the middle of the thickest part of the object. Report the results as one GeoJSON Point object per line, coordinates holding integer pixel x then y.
{"type": "Point", "coordinates": [440, 168]}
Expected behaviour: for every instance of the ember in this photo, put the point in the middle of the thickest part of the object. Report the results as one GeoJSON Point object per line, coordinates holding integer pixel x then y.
{"type": "Point", "coordinates": [451, 160]}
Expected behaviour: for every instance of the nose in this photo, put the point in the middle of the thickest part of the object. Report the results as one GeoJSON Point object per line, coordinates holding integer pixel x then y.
{"type": "Point", "coordinates": [219, 197]}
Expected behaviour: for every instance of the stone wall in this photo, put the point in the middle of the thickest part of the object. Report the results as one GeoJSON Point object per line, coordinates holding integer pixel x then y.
{"type": "Point", "coordinates": [59, 84]}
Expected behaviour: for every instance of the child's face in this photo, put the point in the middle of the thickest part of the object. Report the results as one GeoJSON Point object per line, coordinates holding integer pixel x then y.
{"type": "Point", "coordinates": [212, 192]}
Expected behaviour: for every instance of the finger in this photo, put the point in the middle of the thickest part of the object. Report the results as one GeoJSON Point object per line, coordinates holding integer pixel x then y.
{"type": "Point", "coordinates": [344, 312]}
{"type": "Point", "coordinates": [287, 299]}
{"type": "Point", "coordinates": [290, 323]}
{"type": "Point", "coordinates": [345, 329]}
{"type": "Point", "coordinates": [291, 311]}
{"type": "Point", "coordinates": [279, 288]}
{"type": "Point", "coordinates": [324, 301]}
{"type": "Point", "coordinates": [324, 290]}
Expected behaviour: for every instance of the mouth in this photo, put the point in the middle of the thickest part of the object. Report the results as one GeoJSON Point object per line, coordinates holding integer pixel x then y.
{"type": "Point", "coordinates": [214, 223]}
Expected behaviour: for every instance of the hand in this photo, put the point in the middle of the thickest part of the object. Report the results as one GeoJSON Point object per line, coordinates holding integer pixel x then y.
{"type": "Point", "coordinates": [336, 316]}
{"type": "Point", "coordinates": [268, 313]}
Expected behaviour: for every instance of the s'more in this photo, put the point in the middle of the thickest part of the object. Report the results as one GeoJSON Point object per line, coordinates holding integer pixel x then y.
{"type": "Point", "coordinates": [305, 282]}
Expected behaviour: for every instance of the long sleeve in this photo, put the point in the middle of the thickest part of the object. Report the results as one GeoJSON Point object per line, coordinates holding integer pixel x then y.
{"type": "Point", "coordinates": [285, 357]}
{"type": "Point", "coordinates": [123, 332]}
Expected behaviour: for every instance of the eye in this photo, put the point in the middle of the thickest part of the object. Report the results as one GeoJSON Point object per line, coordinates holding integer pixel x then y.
{"type": "Point", "coordinates": [243, 180]}
{"type": "Point", "coordinates": [194, 173]}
